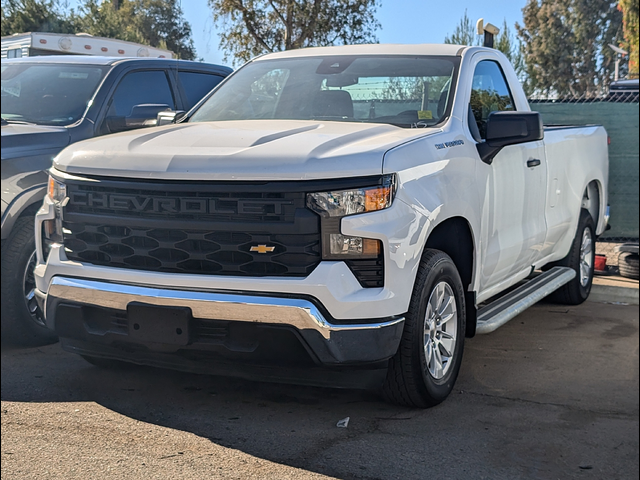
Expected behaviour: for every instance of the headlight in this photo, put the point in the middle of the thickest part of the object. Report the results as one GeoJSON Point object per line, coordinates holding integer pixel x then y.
{"type": "Point", "coordinates": [56, 191]}
{"type": "Point", "coordinates": [333, 206]}
{"type": "Point", "coordinates": [52, 229]}
{"type": "Point", "coordinates": [349, 202]}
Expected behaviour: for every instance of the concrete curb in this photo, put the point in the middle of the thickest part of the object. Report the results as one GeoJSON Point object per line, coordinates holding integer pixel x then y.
{"type": "Point", "coordinates": [614, 293]}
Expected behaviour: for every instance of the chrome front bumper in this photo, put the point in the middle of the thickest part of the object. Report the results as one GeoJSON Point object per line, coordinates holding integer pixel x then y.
{"type": "Point", "coordinates": [332, 343]}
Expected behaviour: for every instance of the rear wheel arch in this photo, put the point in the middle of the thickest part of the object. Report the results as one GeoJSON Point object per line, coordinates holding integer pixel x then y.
{"type": "Point", "coordinates": [591, 200]}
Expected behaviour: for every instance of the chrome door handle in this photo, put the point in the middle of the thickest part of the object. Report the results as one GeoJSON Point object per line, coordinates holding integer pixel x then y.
{"type": "Point", "coordinates": [534, 162]}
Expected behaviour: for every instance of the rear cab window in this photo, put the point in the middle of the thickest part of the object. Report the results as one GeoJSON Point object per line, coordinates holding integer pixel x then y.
{"type": "Point", "coordinates": [406, 91]}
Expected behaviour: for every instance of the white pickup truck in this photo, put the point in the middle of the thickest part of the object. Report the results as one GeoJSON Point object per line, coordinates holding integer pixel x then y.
{"type": "Point", "coordinates": [325, 214]}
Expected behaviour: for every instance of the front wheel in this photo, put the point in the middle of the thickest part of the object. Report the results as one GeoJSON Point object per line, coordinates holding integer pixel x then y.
{"type": "Point", "coordinates": [424, 369]}
{"type": "Point", "coordinates": [22, 320]}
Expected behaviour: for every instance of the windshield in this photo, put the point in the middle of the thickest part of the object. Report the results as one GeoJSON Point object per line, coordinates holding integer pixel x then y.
{"type": "Point", "coordinates": [399, 90]}
{"type": "Point", "coordinates": [47, 94]}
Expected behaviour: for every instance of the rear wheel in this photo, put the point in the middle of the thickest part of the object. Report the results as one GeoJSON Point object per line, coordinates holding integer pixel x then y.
{"type": "Point", "coordinates": [426, 365]}
{"type": "Point", "coordinates": [22, 320]}
{"type": "Point", "coordinates": [581, 258]}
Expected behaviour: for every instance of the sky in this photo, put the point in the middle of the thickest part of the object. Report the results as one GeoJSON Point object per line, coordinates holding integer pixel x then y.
{"type": "Point", "coordinates": [403, 21]}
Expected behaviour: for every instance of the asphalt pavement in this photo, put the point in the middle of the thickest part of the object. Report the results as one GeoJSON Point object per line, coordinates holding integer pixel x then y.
{"type": "Point", "coordinates": [551, 395]}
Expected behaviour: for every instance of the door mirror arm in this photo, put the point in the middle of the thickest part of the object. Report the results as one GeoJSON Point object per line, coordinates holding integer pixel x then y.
{"type": "Point", "coordinates": [169, 116]}
{"type": "Point", "coordinates": [144, 115]}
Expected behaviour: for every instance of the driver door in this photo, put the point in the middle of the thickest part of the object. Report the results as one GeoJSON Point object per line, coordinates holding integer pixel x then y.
{"type": "Point", "coordinates": [513, 224]}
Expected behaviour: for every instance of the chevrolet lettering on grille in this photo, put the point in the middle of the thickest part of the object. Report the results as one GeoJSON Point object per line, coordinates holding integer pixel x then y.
{"type": "Point", "coordinates": [262, 249]}
{"type": "Point", "coordinates": [188, 205]}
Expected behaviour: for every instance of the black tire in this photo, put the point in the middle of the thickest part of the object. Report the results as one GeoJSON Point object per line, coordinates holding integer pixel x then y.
{"type": "Point", "coordinates": [107, 363]}
{"type": "Point", "coordinates": [577, 290]}
{"type": "Point", "coordinates": [22, 322]}
{"type": "Point", "coordinates": [628, 264]}
{"type": "Point", "coordinates": [409, 380]}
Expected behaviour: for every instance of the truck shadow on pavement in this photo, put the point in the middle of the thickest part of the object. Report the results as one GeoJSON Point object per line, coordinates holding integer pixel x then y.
{"type": "Point", "coordinates": [510, 391]}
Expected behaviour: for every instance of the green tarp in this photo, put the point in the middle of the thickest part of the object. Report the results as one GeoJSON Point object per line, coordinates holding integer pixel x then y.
{"type": "Point", "coordinates": [621, 123]}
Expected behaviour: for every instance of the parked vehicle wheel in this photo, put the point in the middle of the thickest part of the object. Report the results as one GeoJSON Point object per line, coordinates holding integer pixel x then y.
{"type": "Point", "coordinates": [22, 319]}
{"type": "Point", "coordinates": [581, 258]}
{"type": "Point", "coordinates": [424, 369]}
{"type": "Point", "coordinates": [629, 265]}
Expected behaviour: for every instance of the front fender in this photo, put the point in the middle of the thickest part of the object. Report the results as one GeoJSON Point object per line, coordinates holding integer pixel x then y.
{"type": "Point", "coordinates": [30, 197]}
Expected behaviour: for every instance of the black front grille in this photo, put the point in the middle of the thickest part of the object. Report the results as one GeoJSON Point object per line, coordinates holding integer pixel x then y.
{"type": "Point", "coordinates": [206, 203]}
{"type": "Point", "coordinates": [218, 229]}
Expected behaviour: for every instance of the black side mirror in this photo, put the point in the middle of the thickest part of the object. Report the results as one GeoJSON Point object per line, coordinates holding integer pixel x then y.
{"type": "Point", "coordinates": [169, 116]}
{"type": "Point", "coordinates": [509, 128]}
{"type": "Point", "coordinates": [144, 115]}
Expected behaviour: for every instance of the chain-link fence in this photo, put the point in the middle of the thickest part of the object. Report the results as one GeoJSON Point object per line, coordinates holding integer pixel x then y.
{"type": "Point", "coordinates": [618, 113]}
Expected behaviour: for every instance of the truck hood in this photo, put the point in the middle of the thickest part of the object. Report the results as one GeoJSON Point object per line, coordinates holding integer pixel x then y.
{"type": "Point", "coordinates": [29, 140]}
{"type": "Point", "coordinates": [239, 150]}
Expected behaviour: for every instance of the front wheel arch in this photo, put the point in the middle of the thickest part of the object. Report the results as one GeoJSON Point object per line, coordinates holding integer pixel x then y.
{"type": "Point", "coordinates": [462, 253]}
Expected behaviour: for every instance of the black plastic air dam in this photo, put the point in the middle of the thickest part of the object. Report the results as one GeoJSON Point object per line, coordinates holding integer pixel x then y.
{"type": "Point", "coordinates": [368, 377]}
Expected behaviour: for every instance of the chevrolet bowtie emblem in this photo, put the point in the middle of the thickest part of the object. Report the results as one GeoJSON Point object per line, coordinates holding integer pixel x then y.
{"type": "Point", "coordinates": [262, 249]}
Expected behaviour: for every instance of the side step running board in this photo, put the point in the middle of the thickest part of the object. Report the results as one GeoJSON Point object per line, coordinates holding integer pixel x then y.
{"type": "Point", "coordinates": [514, 303]}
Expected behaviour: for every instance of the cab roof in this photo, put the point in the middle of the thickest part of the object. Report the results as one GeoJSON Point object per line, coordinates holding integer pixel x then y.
{"type": "Point", "coordinates": [371, 49]}
{"type": "Point", "coordinates": [104, 61]}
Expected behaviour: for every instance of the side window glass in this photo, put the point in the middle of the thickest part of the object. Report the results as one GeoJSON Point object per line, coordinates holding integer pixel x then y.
{"type": "Point", "coordinates": [489, 93]}
{"type": "Point", "coordinates": [138, 88]}
{"type": "Point", "coordinates": [196, 85]}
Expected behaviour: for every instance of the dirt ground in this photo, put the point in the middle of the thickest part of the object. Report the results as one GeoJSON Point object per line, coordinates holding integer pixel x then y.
{"type": "Point", "coordinates": [551, 395]}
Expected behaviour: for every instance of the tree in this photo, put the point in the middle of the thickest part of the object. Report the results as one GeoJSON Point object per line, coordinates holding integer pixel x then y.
{"type": "Point", "coordinates": [111, 20]}
{"type": "Point", "coordinates": [512, 48]}
{"type": "Point", "coordinates": [565, 44]}
{"type": "Point", "coordinates": [629, 9]}
{"type": "Point", "coordinates": [465, 34]}
{"type": "Point", "coordinates": [158, 23]}
{"type": "Point", "coordinates": [20, 16]}
{"type": "Point", "coordinates": [254, 27]}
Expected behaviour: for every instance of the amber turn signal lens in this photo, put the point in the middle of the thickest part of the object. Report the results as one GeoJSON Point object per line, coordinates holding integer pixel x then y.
{"type": "Point", "coordinates": [371, 246]}
{"type": "Point", "coordinates": [51, 189]}
{"type": "Point", "coordinates": [377, 198]}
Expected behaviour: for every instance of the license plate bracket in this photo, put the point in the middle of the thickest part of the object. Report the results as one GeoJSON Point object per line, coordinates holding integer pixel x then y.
{"type": "Point", "coordinates": [158, 324]}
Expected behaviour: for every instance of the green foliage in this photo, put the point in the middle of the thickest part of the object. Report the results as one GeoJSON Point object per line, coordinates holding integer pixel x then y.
{"type": "Point", "coordinates": [158, 23]}
{"type": "Point", "coordinates": [465, 34]}
{"type": "Point", "coordinates": [413, 88]}
{"type": "Point", "coordinates": [21, 16]}
{"type": "Point", "coordinates": [102, 19]}
{"type": "Point", "coordinates": [253, 27]}
{"type": "Point", "coordinates": [512, 48]}
{"type": "Point", "coordinates": [565, 44]}
{"type": "Point", "coordinates": [629, 9]}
